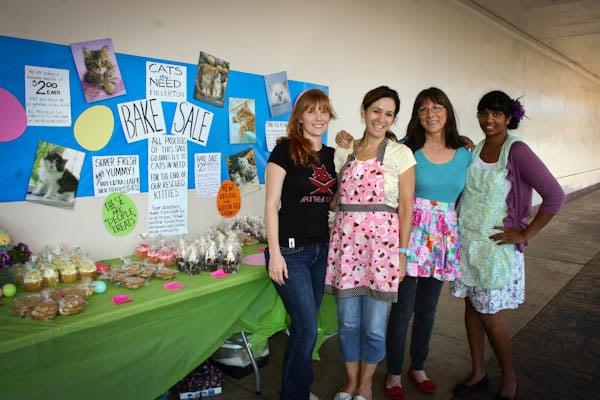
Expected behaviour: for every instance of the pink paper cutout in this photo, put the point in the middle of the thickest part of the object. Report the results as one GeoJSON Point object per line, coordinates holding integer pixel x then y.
{"type": "Point", "coordinates": [255, 259]}
{"type": "Point", "coordinates": [121, 298]}
{"type": "Point", "coordinates": [13, 118]}
{"type": "Point", "coordinates": [219, 274]}
{"type": "Point", "coordinates": [173, 286]}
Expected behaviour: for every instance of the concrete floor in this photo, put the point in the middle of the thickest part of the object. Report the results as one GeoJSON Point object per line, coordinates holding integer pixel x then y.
{"type": "Point", "coordinates": [570, 242]}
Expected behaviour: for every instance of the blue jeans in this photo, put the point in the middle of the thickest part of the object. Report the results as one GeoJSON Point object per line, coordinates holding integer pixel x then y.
{"type": "Point", "coordinates": [362, 322]}
{"type": "Point", "coordinates": [301, 296]}
{"type": "Point", "coordinates": [420, 295]}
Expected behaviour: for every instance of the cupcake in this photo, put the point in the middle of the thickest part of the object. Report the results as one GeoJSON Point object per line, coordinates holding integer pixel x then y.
{"type": "Point", "coordinates": [167, 258]}
{"type": "Point", "coordinates": [33, 281]}
{"type": "Point", "coordinates": [153, 256]}
{"type": "Point", "coordinates": [19, 271]}
{"type": "Point", "coordinates": [68, 273]}
{"type": "Point", "coordinates": [50, 277]}
{"type": "Point", "coordinates": [141, 250]}
{"type": "Point", "coordinates": [87, 269]}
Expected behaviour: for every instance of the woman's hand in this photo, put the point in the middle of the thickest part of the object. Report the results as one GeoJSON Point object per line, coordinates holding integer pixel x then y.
{"type": "Point", "coordinates": [278, 269]}
{"type": "Point", "coordinates": [468, 142]}
{"type": "Point", "coordinates": [402, 274]}
{"type": "Point", "coordinates": [509, 236]}
{"type": "Point", "coordinates": [343, 139]}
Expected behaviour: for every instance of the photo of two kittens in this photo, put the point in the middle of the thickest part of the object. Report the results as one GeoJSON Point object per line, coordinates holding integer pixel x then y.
{"type": "Point", "coordinates": [242, 168]}
{"type": "Point", "coordinates": [211, 79]}
{"type": "Point", "coordinates": [55, 181]}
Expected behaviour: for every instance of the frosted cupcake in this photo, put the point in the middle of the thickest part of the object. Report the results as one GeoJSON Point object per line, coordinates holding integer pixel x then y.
{"type": "Point", "coordinates": [33, 281]}
{"type": "Point", "coordinates": [141, 250]}
{"type": "Point", "coordinates": [50, 277]}
{"type": "Point", "coordinates": [87, 269]}
{"type": "Point", "coordinates": [68, 273]}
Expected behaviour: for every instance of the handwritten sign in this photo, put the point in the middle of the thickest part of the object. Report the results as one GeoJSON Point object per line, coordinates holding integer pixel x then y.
{"type": "Point", "coordinates": [192, 122]}
{"type": "Point", "coordinates": [229, 199]}
{"type": "Point", "coordinates": [166, 82]}
{"type": "Point", "coordinates": [116, 174]}
{"type": "Point", "coordinates": [141, 119]}
{"type": "Point", "coordinates": [273, 131]}
{"type": "Point", "coordinates": [119, 214]}
{"type": "Point", "coordinates": [167, 185]}
{"type": "Point", "coordinates": [208, 174]}
{"type": "Point", "coordinates": [47, 96]}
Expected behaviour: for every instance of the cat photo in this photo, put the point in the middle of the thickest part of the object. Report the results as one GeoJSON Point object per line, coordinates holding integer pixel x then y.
{"type": "Point", "coordinates": [242, 122]}
{"type": "Point", "coordinates": [211, 79]}
{"type": "Point", "coordinates": [243, 172]}
{"type": "Point", "coordinates": [55, 175]}
{"type": "Point", "coordinates": [278, 94]}
{"type": "Point", "coordinates": [98, 70]}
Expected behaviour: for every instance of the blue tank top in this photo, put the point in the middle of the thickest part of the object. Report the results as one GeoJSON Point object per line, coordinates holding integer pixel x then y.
{"type": "Point", "coordinates": [441, 182]}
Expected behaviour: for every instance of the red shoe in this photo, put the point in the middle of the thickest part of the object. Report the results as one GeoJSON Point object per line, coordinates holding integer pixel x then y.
{"type": "Point", "coordinates": [427, 386]}
{"type": "Point", "coordinates": [395, 392]}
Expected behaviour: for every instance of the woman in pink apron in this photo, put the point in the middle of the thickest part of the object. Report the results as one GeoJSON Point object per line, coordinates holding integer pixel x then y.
{"type": "Point", "coordinates": [369, 240]}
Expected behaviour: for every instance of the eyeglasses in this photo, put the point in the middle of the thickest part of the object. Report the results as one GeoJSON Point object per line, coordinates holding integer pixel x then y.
{"type": "Point", "coordinates": [435, 110]}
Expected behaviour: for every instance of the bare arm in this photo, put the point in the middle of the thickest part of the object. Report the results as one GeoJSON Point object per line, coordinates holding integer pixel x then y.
{"type": "Point", "coordinates": [518, 236]}
{"type": "Point", "coordinates": [406, 192]}
{"type": "Point", "coordinates": [274, 186]}
{"type": "Point", "coordinates": [343, 139]}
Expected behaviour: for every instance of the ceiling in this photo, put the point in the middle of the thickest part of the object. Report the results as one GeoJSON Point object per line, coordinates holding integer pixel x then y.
{"type": "Point", "coordinates": [570, 27]}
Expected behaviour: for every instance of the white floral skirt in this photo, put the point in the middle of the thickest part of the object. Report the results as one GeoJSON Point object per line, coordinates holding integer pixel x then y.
{"type": "Point", "coordinates": [490, 301]}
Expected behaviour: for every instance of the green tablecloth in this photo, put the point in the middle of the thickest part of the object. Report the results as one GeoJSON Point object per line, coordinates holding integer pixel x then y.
{"type": "Point", "coordinates": [138, 350]}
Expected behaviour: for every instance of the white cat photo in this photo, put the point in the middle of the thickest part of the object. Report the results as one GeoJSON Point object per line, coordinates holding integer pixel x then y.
{"type": "Point", "coordinates": [279, 93]}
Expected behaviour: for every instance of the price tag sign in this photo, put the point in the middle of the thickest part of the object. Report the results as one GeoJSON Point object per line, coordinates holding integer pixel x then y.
{"type": "Point", "coordinates": [47, 96]}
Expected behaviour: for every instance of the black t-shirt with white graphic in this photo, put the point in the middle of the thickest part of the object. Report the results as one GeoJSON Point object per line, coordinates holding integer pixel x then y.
{"type": "Point", "coordinates": [305, 197]}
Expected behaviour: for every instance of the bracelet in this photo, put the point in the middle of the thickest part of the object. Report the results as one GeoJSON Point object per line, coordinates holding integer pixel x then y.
{"type": "Point", "coordinates": [403, 250]}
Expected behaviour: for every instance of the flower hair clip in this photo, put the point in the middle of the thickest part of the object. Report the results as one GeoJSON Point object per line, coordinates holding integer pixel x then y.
{"type": "Point", "coordinates": [518, 111]}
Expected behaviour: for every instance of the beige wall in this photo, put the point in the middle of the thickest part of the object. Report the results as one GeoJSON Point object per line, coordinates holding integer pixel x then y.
{"type": "Point", "coordinates": [350, 46]}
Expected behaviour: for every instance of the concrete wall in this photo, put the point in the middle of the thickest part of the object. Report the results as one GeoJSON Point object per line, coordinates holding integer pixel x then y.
{"type": "Point", "coordinates": [349, 46]}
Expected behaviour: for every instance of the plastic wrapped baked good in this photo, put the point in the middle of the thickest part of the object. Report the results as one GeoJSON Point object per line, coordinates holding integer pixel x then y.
{"type": "Point", "coordinates": [71, 304]}
{"type": "Point", "coordinates": [22, 306]}
{"type": "Point", "coordinates": [146, 272]}
{"type": "Point", "coordinates": [33, 281]}
{"type": "Point", "coordinates": [133, 282]}
{"type": "Point", "coordinates": [45, 310]}
{"type": "Point", "coordinates": [132, 269]}
{"type": "Point", "coordinates": [165, 273]}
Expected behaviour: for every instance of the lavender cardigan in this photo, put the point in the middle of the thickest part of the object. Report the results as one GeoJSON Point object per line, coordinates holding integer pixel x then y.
{"type": "Point", "coordinates": [526, 172]}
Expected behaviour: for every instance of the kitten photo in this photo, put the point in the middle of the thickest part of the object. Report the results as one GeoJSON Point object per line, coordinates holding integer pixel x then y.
{"type": "Point", "coordinates": [54, 176]}
{"type": "Point", "coordinates": [242, 121]}
{"type": "Point", "coordinates": [98, 70]}
{"type": "Point", "coordinates": [211, 79]}
{"type": "Point", "coordinates": [242, 171]}
{"type": "Point", "coordinates": [279, 93]}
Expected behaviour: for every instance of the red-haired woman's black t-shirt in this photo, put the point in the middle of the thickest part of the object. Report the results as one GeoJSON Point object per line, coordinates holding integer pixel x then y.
{"type": "Point", "coordinates": [305, 197]}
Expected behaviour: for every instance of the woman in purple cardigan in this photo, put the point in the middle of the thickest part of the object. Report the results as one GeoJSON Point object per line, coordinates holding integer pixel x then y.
{"type": "Point", "coordinates": [494, 228]}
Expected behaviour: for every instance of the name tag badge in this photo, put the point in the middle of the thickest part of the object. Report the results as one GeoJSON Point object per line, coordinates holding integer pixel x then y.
{"type": "Point", "coordinates": [291, 243]}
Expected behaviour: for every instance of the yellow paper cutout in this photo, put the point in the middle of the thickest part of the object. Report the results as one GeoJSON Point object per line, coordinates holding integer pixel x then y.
{"type": "Point", "coordinates": [94, 128]}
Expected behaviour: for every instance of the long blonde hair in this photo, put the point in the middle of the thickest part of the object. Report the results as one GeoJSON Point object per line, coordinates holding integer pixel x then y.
{"type": "Point", "coordinates": [301, 150]}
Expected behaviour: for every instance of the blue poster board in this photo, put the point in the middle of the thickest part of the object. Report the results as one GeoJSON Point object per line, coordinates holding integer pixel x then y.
{"type": "Point", "coordinates": [17, 156]}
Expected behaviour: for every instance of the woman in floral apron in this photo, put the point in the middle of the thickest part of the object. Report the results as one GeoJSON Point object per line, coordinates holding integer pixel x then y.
{"type": "Point", "coordinates": [369, 240]}
{"type": "Point", "coordinates": [493, 229]}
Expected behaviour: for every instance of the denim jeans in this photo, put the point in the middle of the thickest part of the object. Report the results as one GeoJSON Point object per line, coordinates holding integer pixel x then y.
{"type": "Point", "coordinates": [301, 296]}
{"type": "Point", "coordinates": [420, 295]}
{"type": "Point", "coordinates": [362, 323]}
